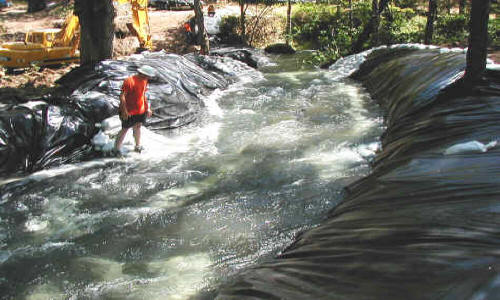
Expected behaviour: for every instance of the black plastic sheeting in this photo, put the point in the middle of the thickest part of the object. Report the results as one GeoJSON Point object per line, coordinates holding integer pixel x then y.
{"type": "Point", "coordinates": [37, 135]}
{"type": "Point", "coordinates": [423, 225]}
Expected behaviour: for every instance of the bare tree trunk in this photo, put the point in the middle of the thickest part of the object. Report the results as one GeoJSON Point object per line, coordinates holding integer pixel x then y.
{"type": "Point", "coordinates": [289, 22]}
{"type": "Point", "coordinates": [478, 40]}
{"type": "Point", "coordinates": [36, 5]}
{"type": "Point", "coordinates": [350, 14]}
{"type": "Point", "coordinates": [202, 36]}
{"type": "Point", "coordinates": [448, 6]}
{"type": "Point", "coordinates": [371, 27]}
{"type": "Point", "coordinates": [243, 8]}
{"type": "Point", "coordinates": [96, 30]}
{"type": "Point", "coordinates": [461, 6]}
{"type": "Point", "coordinates": [431, 17]}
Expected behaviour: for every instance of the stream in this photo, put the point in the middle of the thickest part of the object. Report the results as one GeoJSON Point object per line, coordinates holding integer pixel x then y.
{"type": "Point", "coordinates": [268, 159]}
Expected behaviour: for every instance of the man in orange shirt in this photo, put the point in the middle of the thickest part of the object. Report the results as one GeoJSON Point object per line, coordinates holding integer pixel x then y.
{"type": "Point", "coordinates": [134, 107]}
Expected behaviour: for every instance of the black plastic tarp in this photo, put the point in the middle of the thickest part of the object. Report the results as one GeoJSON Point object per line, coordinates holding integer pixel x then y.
{"type": "Point", "coordinates": [37, 135]}
{"type": "Point", "coordinates": [424, 224]}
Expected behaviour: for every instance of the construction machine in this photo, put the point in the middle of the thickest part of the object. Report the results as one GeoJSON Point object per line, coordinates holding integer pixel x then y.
{"type": "Point", "coordinates": [43, 47]}
{"type": "Point", "coordinates": [58, 46]}
{"type": "Point", "coordinates": [140, 26]}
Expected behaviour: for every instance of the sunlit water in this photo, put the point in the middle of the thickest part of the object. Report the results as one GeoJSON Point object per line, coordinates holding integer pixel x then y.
{"type": "Point", "coordinates": [268, 159]}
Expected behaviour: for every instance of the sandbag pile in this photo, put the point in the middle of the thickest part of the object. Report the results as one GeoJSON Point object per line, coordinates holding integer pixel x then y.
{"type": "Point", "coordinates": [425, 223]}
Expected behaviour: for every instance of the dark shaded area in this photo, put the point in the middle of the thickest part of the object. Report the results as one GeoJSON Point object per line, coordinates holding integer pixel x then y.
{"type": "Point", "coordinates": [58, 129]}
{"type": "Point", "coordinates": [280, 49]}
{"type": "Point", "coordinates": [423, 225]}
{"type": "Point", "coordinates": [249, 56]}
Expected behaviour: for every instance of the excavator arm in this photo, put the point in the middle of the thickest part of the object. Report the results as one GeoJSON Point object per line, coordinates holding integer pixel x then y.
{"type": "Point", "coordinates": [69, 35]}
{"type": "Point", "coordinates": [140, 25]}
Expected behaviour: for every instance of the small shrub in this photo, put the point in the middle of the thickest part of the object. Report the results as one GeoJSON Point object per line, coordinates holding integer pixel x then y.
{"type": "Point", "coordinates": [451, 29]}
{"type": "Point", "coordinates": [401, 25]}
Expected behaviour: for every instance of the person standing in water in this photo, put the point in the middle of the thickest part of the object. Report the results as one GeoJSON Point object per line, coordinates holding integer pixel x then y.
{"type": "Point", "coordinates": [134, 107]}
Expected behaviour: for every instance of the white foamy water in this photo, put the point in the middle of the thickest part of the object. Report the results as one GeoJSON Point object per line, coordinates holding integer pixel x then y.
{"type": "Point", "coordinates": [267, 159]}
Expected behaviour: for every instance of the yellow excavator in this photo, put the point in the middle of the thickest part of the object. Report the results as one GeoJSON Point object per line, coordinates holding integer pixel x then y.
{"type": "Point", "coordinates": [140, 26]}
{"type": "Point", "coordinates": [58, 46]}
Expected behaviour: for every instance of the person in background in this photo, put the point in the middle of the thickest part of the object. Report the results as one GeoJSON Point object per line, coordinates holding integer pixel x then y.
{"type": "Point", "coordinates": [134, 107]}
{"type": "Point", "coordinates": [211, 10]}
{"type": "Point", "coordinates": [189, 33]}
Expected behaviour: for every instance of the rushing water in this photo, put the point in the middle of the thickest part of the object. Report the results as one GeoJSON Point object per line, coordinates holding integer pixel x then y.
{"type": "Point", "coordinates": [268, 160]}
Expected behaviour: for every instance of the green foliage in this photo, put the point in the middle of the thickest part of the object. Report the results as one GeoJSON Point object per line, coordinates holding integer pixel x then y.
{"type": "Point", "coordinates": [407, 4]}
{"type": "Point", "coordinates": [494, 32]}
{"type": "Point", "coordinates": [327, 28]}
{"type": "Point", "coordinates": [401, 25]}
{"type": "Point", "coordinates": [451, 29]}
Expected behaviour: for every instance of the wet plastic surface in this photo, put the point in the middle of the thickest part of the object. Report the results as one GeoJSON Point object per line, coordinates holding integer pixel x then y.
{"type": "Point", "coordinates": [423, 225]}
{"type": "Point", "coordinates": [37, 135]}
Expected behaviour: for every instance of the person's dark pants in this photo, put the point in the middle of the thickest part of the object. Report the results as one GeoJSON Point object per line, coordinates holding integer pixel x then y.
{"type": "Point", "coordinates": [134, 119]}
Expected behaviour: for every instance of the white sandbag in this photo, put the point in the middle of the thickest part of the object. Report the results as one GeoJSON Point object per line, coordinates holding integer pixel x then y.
{"type": "Point", "coordinates": [100, 140]}
{"type": "Point", "coordinates": [111, 123]}
{"type": "Point", "coordinates": [470, 147]}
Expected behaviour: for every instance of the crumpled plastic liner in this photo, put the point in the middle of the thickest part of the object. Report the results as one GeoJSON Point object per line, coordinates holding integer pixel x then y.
{"type": "Point", "coordinates": [252, 57]}
{"type": "Point", "coordinates": [470, 147]}
{"type": "Point", "coordinates": [60, 130]}
{"type": "Point", "coordinates": [33, 138]}
{"type": "Point", "coordinates": [422, 225]}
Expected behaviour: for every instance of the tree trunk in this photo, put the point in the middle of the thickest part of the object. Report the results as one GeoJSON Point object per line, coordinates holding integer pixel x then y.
{"type": "Point", "coordinates": [371, 27]}
{"type": "Point", "coordinates": [242, 20]}
{"type": "Point", "coordinates": [36, 5]}
{"type": "Point", "coordinates": [96, 30]}
{"type": "Point", "coordinates": [448, 6]}
{"type": "Point", "coordinates": [461, 6]}
{"type": "Point", "coordinates": [350, 14]}
{"type": "Point", "coordinates": [478, 40]}
{"type": "Point", "coordinates": [202, 36]}
{"type": "Point", "coordinates": [431, 16]}
{"type": "Point", "coordinates": [289, 22]}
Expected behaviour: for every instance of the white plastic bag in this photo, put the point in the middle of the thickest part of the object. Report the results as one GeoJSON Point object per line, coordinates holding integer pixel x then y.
{"type": "Point", "coordinates": [111, 123]}
{"type": "Point", "coordinates": [470, 147]}
{"type": "Point", "coordinates": [100, 140]}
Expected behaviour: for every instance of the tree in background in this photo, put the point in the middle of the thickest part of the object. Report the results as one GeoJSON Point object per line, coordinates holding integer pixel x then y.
{"type": "Point", "coordinates": [478, 40]}
{"type": "Point", "coordinates": [371, 27]}
{"type": "Point", "coordinates": [36, 5]}
{"type": "Point", "coordinates": [96, 30]}
{"type": "Point", "coordinates": [461, 6]}
{"type": "Point", "coordinates": [202, 37]}
{"type": "Point", "coordinates": [243, 9]}
{"type": "Point", "coordinates": [431, 17]}
{"type": "Point", "coordinates": [289, 22]}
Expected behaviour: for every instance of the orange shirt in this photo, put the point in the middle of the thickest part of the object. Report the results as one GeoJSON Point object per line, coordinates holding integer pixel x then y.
{"type": "Point", "coordinates": [134, 88]}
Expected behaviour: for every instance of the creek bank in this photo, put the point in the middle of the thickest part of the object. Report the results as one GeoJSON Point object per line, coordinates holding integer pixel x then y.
{"type": "Point", "coordinates": [422, 225]}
